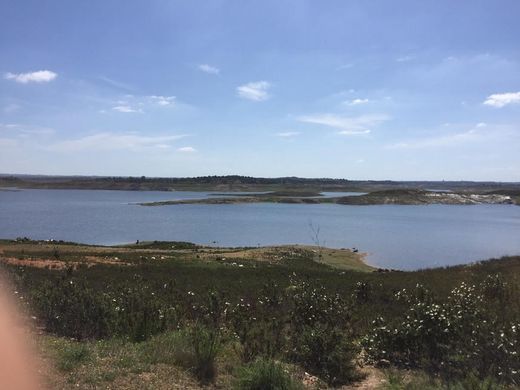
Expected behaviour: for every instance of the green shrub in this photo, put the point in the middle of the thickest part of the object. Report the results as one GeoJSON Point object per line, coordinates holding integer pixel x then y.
{"type": "Point", "coordinates": [326, 352]}
{"type": "Point", "coordinates": [265, 374]}
{"type": "Point", "coordinates": [451, 338]}
{"type": "Point", "coordinates": [71, 355]}
{"type": "Point", "coordinates": [417, 380]}
{"type": "Point", "coordinates": [473, 382]}
{"type": "Point", "coordinates": [206, 346]}
{"type": "Point", "coordinates": [362, 292]}
{"type": "Point", "coordinates": [72, 309]}
{"type": "Point", "coordinates": [315, 305]}
{"type": "Point", "coordinates": [320, 334]}
{"type": "Point", "coordinates": [260, 324]}
{"type": "Point", "coordinates": [194, 348]}
{"type": "Point", "coordinates": [140, 313]}
{"type": "Point", "coordinates": [174, 347]}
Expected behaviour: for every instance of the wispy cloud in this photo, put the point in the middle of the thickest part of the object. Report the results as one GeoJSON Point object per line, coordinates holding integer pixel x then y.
{"type": "Point", "coordinates": [356, 102]}
{"type": "Point", "coordinates": [115, 141]}
{"type": "Point", "coordinates": [256, 91]}
{"type": "Point", "coordinates": [9, 126]}
{"type": "Point", "coordinates": [288, 134]}
{"type": "Point", "coordinates": [187, 149]}
{"type": "Point", "coordinates": [117, 84]}
{"type": "Point", "coordinates": [500, 100]}
{"type": "Point", "coordinates": [163, 100]}
{"type": "Point", "coordinates": [26, 130]}
{"type": "Point", "coordinates": [140, 104]}
{"type": "Point", "coordinates": [405, 58]}
{"type": "Point", "coordinates": [208, 69]}
{"type": "Point", "coordinates": [478, 132]}
{"type": "Point", "coordinates": [40, 76]}
{"type": "Point", "coordinates": [345, 66]}
{"type": "Point", "coordinates": [445, 140]}
{"type": "Point", "coordinates": [346, 125]}
{"type": "Point", "coordinates": [126, 109]}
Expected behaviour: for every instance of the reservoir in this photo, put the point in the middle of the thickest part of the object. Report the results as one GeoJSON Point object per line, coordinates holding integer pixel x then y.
{"type": "Point", "coordinates": [393, 236]}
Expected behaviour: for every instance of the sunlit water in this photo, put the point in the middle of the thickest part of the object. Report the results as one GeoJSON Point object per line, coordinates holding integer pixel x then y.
{"type": "Point", "coordinates": [403, 237]}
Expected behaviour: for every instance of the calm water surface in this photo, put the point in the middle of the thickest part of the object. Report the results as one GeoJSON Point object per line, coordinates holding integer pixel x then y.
{"type": "Point", "coordinates": [404, 237]}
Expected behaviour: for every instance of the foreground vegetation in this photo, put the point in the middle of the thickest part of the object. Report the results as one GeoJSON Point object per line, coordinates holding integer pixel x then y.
{"type": "Point", "coordinates": [153, 314]}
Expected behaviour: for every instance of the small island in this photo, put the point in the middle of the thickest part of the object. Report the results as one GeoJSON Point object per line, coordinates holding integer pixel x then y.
{"type": "Point", "coordinates": [397, 197]}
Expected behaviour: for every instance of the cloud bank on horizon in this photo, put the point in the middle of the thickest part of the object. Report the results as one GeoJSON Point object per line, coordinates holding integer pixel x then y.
{"type": "Point", "coordinates": [358, 90]}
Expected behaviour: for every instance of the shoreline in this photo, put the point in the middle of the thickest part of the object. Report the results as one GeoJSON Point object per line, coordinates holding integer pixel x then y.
{"type": "Point", "coordinates": [60, 254]}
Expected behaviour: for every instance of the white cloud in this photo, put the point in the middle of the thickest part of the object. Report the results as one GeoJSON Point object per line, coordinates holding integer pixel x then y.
{"type": "Point", "coordinates": [163, 100]}
{"type": "Point", "coordinates": [126, 109]}
{"type": "Point", "coordinates": [256, 91]}
{"type": "Point", "coordinates": [354, 132]}
{"type": "Point", "coordinates": [346, 125]}
{"type": "Point", "coordinates": [115, 141]}
{"type": "Point", "coordinates": [357, 102]}
{"type": "Point", "coordinates": [186, 149]}
{"type": "Point", "coordinates": [40, 76]}
{"type": "Point", "coordinates": [209, 69]}
{"type": "Point", "coordinates": [140, 104]}
{"type": "Point", "coordinates": [287, 134]}
{"type": "Point", "coordinates": [445, 140]}
{"type": "Point", "coordinates": [499, 100]}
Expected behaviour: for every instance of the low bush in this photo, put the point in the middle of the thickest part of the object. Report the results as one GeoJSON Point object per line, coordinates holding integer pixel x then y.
{"type": "Point", "coordinates": [320, 336]}
{"type": "Point", "coordinates": [327, 353]}
{"type": "Point", "coordinates": [265, 374]}
{"type": "Point", "coordinates": [206, 344]}
{"type": "Point", "coordinates": [451, 338]}
{"type": "Point", "coordinates": [71, 355]}
{"type": "Point", "coordinates": [260, 324]}
{"type": "Point", "coordinates": [139, 313]}
{"type": "Point", "coordinates": [416, 380]}
{"type": "Point", "coordinates": [72, 309]}
{"type": "Point", "coordinates": [174, 347]}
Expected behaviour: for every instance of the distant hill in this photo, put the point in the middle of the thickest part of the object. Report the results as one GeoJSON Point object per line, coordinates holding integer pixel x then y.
{"type": "Point", "coordinates": [244, 183]}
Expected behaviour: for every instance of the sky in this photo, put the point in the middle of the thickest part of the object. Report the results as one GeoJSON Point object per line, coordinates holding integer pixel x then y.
{"type": "Point", "coordinates": [355, 89]}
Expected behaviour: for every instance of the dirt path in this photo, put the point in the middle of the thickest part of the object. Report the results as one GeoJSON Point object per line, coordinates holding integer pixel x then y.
{"type": "Point", "coordinates": [374, 380]}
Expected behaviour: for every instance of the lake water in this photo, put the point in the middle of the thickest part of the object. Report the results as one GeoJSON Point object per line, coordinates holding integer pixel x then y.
{"type": "Point", "coordinates": [402, 237]}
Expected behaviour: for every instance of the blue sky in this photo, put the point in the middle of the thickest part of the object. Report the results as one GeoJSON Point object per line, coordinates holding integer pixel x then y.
{"type": "Point", "coordinates": [351, 89]}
